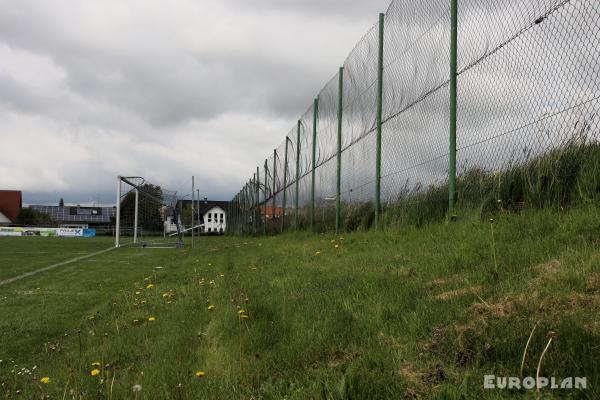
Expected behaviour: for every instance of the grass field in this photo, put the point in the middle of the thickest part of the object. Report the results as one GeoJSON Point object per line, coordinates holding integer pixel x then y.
{"type": "Point", "coordinates": [412, 313]}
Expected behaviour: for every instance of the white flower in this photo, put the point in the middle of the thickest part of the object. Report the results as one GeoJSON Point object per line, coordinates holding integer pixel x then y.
{"type": "Point", "coordinates": [137, 388]}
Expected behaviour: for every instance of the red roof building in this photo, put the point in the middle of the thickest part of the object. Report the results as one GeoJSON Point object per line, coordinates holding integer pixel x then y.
{"type": "Point", "coordinates": [268, 210]}
{"type": "Point", "coordinates": [11, 202]}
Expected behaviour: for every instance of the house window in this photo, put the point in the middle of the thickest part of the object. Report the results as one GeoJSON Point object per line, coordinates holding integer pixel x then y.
{"type": "Point", "coordinates": [221, 217]}
{"type": "Point", "coordinates": [209, 217]}
{"type": "Point", "coordinates": [209, 229]}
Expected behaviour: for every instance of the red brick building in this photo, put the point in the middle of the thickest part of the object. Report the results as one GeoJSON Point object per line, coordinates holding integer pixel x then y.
{"type": "Point", "coordinates": [11, 202]}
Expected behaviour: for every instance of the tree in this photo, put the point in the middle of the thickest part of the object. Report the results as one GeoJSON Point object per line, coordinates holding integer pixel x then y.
{"type": "Point", "coordinates": [150, 203]}
{"type": "Point", "coordinates": [30, 217]}
{"type": "Point", "coordinates": [61, 202]}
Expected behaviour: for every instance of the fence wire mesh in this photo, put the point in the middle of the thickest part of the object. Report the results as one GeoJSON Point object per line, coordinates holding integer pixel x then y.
{"type": "Point", "coordinates": [528, 85]}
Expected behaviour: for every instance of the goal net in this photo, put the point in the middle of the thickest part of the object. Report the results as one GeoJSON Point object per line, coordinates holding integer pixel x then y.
{"type": "Point", "coordinates": [147, 215]}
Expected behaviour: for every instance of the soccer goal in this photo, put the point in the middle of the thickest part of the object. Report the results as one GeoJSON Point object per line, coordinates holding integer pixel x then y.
{"type": "Point", "coordinates": [147, 215]}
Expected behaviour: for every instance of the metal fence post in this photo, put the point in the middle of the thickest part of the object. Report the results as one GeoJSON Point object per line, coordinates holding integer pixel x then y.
{"type": "Point", "coordinates": [297, 173]}
{"type": "Point", "coordinates": [244, 207]}
{"type": "Point", "coordinates": [314, 163]}
{"type": "Point", "coordinates": [379, 115]}
{"type": "Point", "coordinates": [264, 222]}
{"type": "Point", "coordinates": [274, 186]}
{"type": "Point", "coordinates": [338, 204]}
{"type": "Point", "coordinates": [453, 83]}
{"type": "Point", "coordinates": [257, 207]}
{"type": "Point", "coordinates": [285, 171]}
{"type": "Point", "coordinates": [254, 203]}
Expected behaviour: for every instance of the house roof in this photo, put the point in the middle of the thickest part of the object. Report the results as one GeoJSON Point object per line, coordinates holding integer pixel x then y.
{"type": "Point", "coordinates": [207, 205]}
{"type": "Point", "coordinates": [10, 203]}
{"type": "Point", "coordinates": [78, 214]}
{"type": "Point", "coordinates": [4, 219]}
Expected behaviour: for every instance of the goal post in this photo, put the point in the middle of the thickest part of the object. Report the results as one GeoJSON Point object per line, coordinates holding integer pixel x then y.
{"type": "Point", "coordinates": [146, 214]}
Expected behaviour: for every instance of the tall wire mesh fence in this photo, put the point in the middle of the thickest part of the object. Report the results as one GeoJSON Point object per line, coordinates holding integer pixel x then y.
{"type": "Point", "coordinates": [528, 84]}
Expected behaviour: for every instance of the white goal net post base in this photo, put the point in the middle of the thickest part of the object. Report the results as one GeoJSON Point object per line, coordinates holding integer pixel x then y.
{"type": "Point", "coordinates": [146, 214]}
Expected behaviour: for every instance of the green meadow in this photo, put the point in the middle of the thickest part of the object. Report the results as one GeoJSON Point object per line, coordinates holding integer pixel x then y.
{"type": "Point", "coordinates": [407, 312]}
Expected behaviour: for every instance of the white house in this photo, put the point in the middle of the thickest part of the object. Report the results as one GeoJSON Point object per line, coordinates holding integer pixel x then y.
{"type": "Point", "coordinates": [215, 219]}
{"type": "Point", "coordinates": [213, 215]}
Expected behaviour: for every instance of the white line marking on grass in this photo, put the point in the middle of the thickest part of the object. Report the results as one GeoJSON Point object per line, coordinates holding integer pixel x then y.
{"type": "Point", "coordinates": [60, 264]}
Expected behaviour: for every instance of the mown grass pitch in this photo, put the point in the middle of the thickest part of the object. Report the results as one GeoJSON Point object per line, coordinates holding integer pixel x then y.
{"type": "Point", "coordinates": [418, 313]}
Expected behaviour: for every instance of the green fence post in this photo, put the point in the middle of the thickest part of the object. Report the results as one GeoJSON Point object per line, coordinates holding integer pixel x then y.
{"type": "Point", "coordinates": [254, 203]}
{"type": "Point", "coordinates": [314, 154]}
{"type": "Point", "coordinates": [274, 187]}
{"type": "Point", "coordinates": [243, 210]}
{"type": "Point", "coordinates": [453, 73]}
{"type": "Point", "coordinates": [285, 171]}
{"type": "Point", "coordinates": [264, 222]}
{"type": "Point", "coordinates": [338, 204]}
{"type": "Point", "coordinates": [248, 206]}
{"type": "Point", "coordinates": [258, 211]}
{"type": "Point", "coordinates": [297, 173]}
{"type": "Point", "coordinates": [379, 115]}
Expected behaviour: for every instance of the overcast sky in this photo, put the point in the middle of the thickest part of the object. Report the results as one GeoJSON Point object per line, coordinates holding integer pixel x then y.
{"type": "Point", "coordinates": [165, 90]}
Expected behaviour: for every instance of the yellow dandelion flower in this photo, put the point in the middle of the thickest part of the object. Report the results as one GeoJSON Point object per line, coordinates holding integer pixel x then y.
{"type": "Point", "coordinates": [150, 286]}
{"type": "Point", "coordinates": [45, 380]}
{"type": "Point", "coordinates": [200, 374]}
{"type": "Point", "coordinates": [211, 282]}
{"type": "Point", "coordinates": [96, 364]}
{"type": "Point", "coordinates": [241, 311]}
{"type": "Point", "coordinates": [137, 293]}
{"type": "Point", "coordinates": [151, 319]}
{"type": "Point", "coordinates": [95, 372]}
{"type": "Point", "coordinates": [165, 294]}
{"type": "Point", "coordinates": [337, 246]}
{"type": "Point", "coordinates": [244, 316]}
{"type": "Point", "coordinates": [135, 321]}
{"type": "Point", "coordinates": [318, 253]}
{"type": "Point", "coordinates": [211, 307]}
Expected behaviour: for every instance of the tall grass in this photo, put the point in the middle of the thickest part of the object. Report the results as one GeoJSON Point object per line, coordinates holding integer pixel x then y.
{"type": "Point", "coordinates": [558, 179]}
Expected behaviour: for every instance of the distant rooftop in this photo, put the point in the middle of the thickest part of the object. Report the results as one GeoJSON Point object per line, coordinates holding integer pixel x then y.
{"type": "Point", "coordinates": [78, 214]}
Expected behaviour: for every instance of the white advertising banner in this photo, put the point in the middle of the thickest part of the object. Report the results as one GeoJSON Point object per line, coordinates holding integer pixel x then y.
{"type": "Point", "coordinates": [48, 232]}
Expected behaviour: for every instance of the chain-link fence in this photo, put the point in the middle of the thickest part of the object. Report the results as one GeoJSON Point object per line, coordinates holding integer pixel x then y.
{"type": "Point", "coordinates": [527, 124]}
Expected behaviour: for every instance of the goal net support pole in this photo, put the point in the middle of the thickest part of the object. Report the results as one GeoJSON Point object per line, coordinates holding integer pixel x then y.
{"type": "Point", "coordinates": [118, 216]}
{"type": "Point", "coordinates": [135, 216]}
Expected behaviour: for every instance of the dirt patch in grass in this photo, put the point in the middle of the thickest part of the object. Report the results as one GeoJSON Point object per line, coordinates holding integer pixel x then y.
{"type": "Point", "coordinates": [504, 308]}
{"type": "Point", "coordinates": [413, 377]}
{"type": "Point", "coordinates": [340, 358]}
{"type": "Point", "coordinates": [545, 273]}
{"type": "Point", "coordinates": [592, 282]}
{"type": "Point", "coordinates": [436, 283]}
{"type": "Point", "coordinates": [451, 294]}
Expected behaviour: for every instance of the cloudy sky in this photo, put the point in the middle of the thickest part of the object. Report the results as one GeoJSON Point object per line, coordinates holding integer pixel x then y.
{"type": "Point", "coordinates": [165, 90]}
